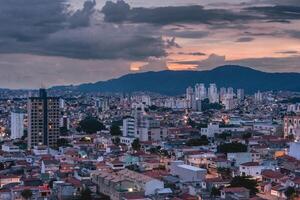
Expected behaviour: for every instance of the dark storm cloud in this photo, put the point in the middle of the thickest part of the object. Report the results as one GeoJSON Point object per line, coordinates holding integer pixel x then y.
{"type": "Point", "coordinates": [82, 17]}
{"type": "Point", "coordinates": [44, 27]}
{"type": "Point", "coordinates": [120, 12]}
{"type": "Point", "coordinates": [288, 52]}
{"type": "Point", "coordinates": [279, 13]}
{"type": "Point", "coordinates": [245, 39]}
{"type": "Point", "coordinates": [27, 20]}
{"type": "Point", "coordinates": [108, 42]}
{"type": "Point", "coordinates": [278, 2]}
{"type": "Point", "coordinates": [187, 33]}
{"type": "Point", "coordinates": [289, 63]}
{"type": "Point", "coordinates": [293, 33]}
{"type": "Point", "coordinates": [192, 53]}
{"type": "Point", "coordinates": [170, 43]}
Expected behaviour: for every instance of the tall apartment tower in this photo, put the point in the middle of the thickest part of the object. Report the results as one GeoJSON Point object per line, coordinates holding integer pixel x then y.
{"type": "Point", "coordinates": [17, 124]}
{"type": "Point", "coordinates": [43, 120]}
{"type": "Point", "coordinates": [200, 91]}
{"type": "Point", "coordinates": [213, 95]}
{"type": "Point", "coordinates": [190, 97]}
{"type": "Point", "coordinates": [240, 94]}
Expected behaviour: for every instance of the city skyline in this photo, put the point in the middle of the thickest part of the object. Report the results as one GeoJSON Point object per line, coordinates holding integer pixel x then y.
{"type": "Point", "coordinates": [71, 42]}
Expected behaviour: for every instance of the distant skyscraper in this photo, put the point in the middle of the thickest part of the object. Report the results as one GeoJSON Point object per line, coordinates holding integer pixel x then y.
{"type": "Point", "coordinates": [230, 92]}
{"type": "Point", "coordinates": [102, 103]}
{"type": "Point", "coordinates": [200, 91]}
{"type": "Point", "coordinates": [146, 99]}
{"type": "Point", "coordinates": [190, 96]}
{"type": "Point", "coordinates": [223, 92]}
{"type": "Point", "coordinates": [197, 106]}
{"type": "Point", "coordinates": [240, 94]}
{"type": "Point", "coordinates": [258, 97]}
{"type": "Point", "coordinates": [43, 120]}
{"type": "Point", "coordinates": [213, 93]}
{"type": "Point", "coordinates": [62, 103]}
{"type": "Point", "coordinates": [129, 128]}
{"type": "Point", "coordinates": [17, 124]}
{"type": "Point", "coordinates": [65, 122]}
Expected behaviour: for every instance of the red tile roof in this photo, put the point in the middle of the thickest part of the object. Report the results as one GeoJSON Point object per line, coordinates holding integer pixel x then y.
{"type": "Point", "coordinates": [235, 189]}
{"type": "Point", "coordinates": [250, 164]}
{"type": "Point", "coordinates": [272, 174]}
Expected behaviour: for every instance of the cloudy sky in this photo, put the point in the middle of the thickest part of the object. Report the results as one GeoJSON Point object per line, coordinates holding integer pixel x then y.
{"type": "Point", "coordinates": [59, 42]}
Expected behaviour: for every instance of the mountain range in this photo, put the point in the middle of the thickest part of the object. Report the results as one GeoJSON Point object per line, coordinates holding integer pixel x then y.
{"type": "Point", "coordinates": [175, 82]}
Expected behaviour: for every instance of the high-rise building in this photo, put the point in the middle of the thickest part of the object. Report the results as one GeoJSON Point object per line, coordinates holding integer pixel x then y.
{"type": "Point", "coordinates": [190, 97]}
{"type": "Point", "coordinates": [62, 103]}
{"type": "Point", "coordinates": [102, 103]}
{"type": "Point", "coordinates": [258, 97]}
{"type": "Point", "coordinates": [230, 92]}
{"type": "Point", "coordinates": [229, 102]}
{"type": "Point", "coordinates": [213, 93]}
{"type": "Point", "coordinates": [17, 124]}
{"type": "Point", "coordinates": [43, 120]}
{"type": "Point", "coordinates": [223, 93]}
{"type": "Point", "coordinates": [291, 126]}
{"type": "Point", "coordinates": [64, 122]}
{"type": "Point", "coordinates": [240, 94]}
{"type": "Point", "coordinates": [200, 91]}
{"type": "Point", "coordinates": [197, 106]}
{"type": "Point", "coordinates": [129, 128]}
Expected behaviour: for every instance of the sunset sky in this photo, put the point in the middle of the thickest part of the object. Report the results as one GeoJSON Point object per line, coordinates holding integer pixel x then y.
{"type": "Point", "coordinates": [70, 42]}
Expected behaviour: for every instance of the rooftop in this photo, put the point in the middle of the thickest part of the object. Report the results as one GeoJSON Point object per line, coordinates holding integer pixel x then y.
{"type": "Point", "coordinates": [190, 167]}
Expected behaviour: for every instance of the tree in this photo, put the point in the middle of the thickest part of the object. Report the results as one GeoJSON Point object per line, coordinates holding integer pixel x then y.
{"type": "Point", "coordinates": [224, 135]}
{"type": "Point", "coordinates": [215, 192]}
{"type": "Point", "coordinates": [136, 144]}
{"type": "Point", "coordinates": [51, 183]}
{"type": "Point", "coordinates": [63, 131]}
{"type": "Point", "coordinates": [247, 135]}
{"type": "Point", "coordinates": [62, 142]}
{"type": "Point", "coordinates": [205, 105]}
{"type": "Point", "coordinates": [86, 194]}
{"type": "Point", "coordinates": [224, 172]}
{"type": "Point", "coordinates": [116, 141]}
{"type": "Point", "coordinates": [234, 147]}
{"type": "Point", "coordinates": [26, 194]}
{"type": "Point", "coordinates": [90, 125]}
{"type": "Point", "coordinates": [290, 193]}
{"type": "Point", "coordinates": [198, 141]}
{"type": "Point", "coordinates": [153, 107]}
{"type": "Point", "coordinates": [25, 134]}
{"type": "Point", "coordinates": [115, 130]}
{"type": "Point", "coordinates": [246, 182]}
{"type": "Point", "coordinates": [191, 123]}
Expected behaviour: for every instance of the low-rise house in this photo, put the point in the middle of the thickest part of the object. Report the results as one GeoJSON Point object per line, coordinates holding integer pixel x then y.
{"type": "Point", "coordinates": [216, 182]}
{"type": "Point", "coordinates": [64, 190]}
{"type": "Point", "coordinates": [271, 176]}
{"type": "Point", "coordinates": [199, 159]}
{"type": "Point", "coordinates": [120, 183]}
{"type": "Point", "coordinates": [278, 191]}
{"type": "Point", "coordinates": [239, 158]}
{"type": "Point", "coordinates": [7, 147]}
{"type": "Point", "coordinates": [116, 165]}
{"type": "Point", "coordinates": [49, 167]}
{"type": "Point", "coordinates": [9, 178]}
{"type": "Point", "coordinates": [219, 162]}
{"type": "Point", "coordinates": [40, 192]}
{"type": "Point", "coordinates": [251, 169]}
{"type": "Point", "coordinates": [187, 173]}
{"type": "Point", "coordinates": [5, 194]}
{"type": "Point", "coordinates": [236, 193]}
